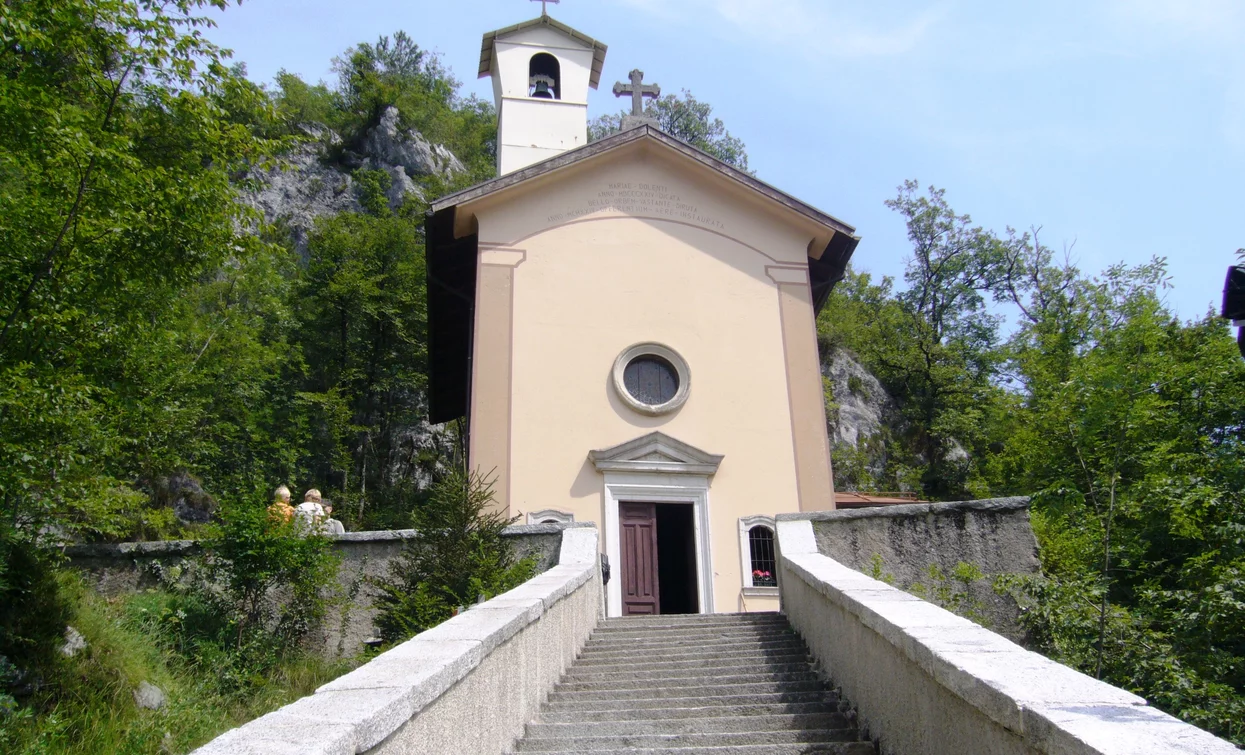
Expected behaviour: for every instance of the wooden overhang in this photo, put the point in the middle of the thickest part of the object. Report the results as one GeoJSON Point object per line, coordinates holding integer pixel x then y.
{"type": "Point", "coordinates": [452, 256]}
{"type": "Point", "coordinates": [598, 49]}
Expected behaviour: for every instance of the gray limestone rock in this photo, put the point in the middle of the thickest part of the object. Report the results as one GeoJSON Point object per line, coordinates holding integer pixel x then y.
{"type": "Point", "coordinates": [301, 188]}
{"type": "Point", "coordinates": [149, 696]}
{"type": "Point", "coordinates": [865, 408]}
{"type": "Point", "coordinates": [74, 643]}
{"type": "Point", "coordinates": [183, 493]}
{"type": "Point", "coordinates": [304, 185]}
{"type": "Point", "coordinates": [401, 187]}
{"type": "Point", "coordinates": [388, 144]}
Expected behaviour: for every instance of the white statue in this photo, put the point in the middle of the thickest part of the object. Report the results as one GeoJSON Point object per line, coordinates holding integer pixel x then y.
{"type": "Point", "coordinates": [331, 525]}
{"type": "Point", "coordinates": [310, 513]}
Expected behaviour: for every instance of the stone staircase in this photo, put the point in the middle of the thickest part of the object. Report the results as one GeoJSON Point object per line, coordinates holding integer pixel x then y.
{"type": "Point", "coordinates": [701, 684]}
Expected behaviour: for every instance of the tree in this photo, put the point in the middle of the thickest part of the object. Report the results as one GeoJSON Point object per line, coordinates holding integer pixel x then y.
{"type": "Point", "coordinates": [394, 71]}
{"type": "Point", "coordinates": [933, 345]}
{"type": "Point", "coordinates": [459, 558]}
{"type": "Point", "coordinates": [123, 130]}
{"type": "Point", "coordinates": [362, 328]}
{"type": "Point", "coordinates": [685, 118]}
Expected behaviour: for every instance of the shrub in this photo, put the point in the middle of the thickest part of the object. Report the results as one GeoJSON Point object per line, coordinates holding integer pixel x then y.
{"type": "Point", "coordinates": [33, 609]}
{"type": "Point", "coordinates": [458, 558]}
{"type": "Point", "coordinates": [248, 603]}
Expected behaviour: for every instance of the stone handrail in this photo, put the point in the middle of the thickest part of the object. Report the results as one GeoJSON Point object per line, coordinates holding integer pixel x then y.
{"type": "Point", "coordinates": [927, 681]}
{"type": "Point", "coordinates": [469, 685]}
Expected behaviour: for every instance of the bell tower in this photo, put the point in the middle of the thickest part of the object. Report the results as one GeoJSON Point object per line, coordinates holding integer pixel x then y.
{"type": "Point", "coordinates": [542, 71]}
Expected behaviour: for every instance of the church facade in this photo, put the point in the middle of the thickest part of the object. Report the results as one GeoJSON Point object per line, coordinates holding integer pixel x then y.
{"type": "Point", "coordinates": [627, 329]}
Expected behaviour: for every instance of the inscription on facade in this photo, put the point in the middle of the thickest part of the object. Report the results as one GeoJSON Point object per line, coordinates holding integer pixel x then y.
{"type": "Point", "coordinates": [643, 199]}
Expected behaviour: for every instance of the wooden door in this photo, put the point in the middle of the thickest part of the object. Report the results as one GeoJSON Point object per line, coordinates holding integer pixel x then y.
{"type": "Point", "coordinates": [638, 525]}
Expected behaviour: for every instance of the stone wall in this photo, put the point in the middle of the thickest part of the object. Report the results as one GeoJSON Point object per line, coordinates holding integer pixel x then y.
{"type": "Point", "coordinates": [924, 680]}
{"type": "Point", "coordinates": [900, 543]}
{"type": "Point", "coordinates": [130, 567]}
{"type": "Point", "coordinates": [467, 686]}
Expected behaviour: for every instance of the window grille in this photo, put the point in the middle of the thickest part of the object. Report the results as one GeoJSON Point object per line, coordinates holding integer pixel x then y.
{"type": "Point", "coordinates": [761, 547]}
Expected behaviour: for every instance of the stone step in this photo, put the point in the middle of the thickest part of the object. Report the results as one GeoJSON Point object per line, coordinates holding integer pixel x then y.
{"type": "Point", "coordinates": [703, 725]}
{"type": "Point", "coordinates": [671, 641]}
{"type": "Point", "coordinates": [688, 633]}
{"type": "Point", "coordinates": [598, 691]}
{"type": "Point", "coordinates": [699, 671]}
{"type": "Point", "coordinates": [662, 645]}
{"type": "Point", "coordinates": [698, 685]}
{"type": "Point", "coordinates": [605, 653]}
{"type": "Point", "coordinates": [747, 660]}
{"type": "Point", "coordinates": [701, 710]}
{"type": "Point", "coordinates": [696, 620]}
{"type": "Point", "coordinates": [675, 650]}
{"type": "Point", "coordinates": [723, 739]}
{"type": "Point", "coordinates": [570, 703]}
{"type": "Point", "coordinates": [795, 748]}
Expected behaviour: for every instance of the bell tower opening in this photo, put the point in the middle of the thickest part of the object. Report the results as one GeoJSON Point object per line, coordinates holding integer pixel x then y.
{"type": "Point", "coordinates": [542, 71]}
{"type": "Point", "coordinates": [544, 77]}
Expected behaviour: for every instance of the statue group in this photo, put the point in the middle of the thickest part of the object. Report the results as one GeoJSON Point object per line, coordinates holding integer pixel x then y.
{"type": "Point", "coordinates": [314, 514]}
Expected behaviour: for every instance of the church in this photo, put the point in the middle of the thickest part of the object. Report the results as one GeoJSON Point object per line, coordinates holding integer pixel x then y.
{"type": "Point", "coordinates": [627, 329]}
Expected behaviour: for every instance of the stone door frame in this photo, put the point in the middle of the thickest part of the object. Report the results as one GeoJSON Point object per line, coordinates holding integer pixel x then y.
{"type": "Point", "coordinates": [656, 468]}
{"type": "Point", "coordinates": [624, 487]}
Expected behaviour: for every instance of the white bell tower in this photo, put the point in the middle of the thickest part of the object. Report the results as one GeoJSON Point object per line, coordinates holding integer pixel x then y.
{"type": "Point", "coordinates": [541, 72]}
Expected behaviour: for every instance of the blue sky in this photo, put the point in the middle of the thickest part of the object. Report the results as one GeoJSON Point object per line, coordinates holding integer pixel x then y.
{"type": "Point", "coordinates": [1118, 126]}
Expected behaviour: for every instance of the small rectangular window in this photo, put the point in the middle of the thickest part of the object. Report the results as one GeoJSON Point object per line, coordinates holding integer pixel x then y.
{"type": "Point", "coordinates": [761, 548]}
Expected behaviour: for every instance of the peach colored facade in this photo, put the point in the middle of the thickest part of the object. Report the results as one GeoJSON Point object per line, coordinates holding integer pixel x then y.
{"type": "Point", "coordinates": [641, 244]}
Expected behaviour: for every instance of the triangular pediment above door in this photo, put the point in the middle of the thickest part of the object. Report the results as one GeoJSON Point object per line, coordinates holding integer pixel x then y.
{"type": "Point", "coordinates": [655, 452]}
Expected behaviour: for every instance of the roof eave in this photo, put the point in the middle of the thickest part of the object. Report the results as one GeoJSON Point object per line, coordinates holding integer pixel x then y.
{"type": "Point", "coordinates": [598, 49]}
{"type": "Point", "coordinates": [615, 141]}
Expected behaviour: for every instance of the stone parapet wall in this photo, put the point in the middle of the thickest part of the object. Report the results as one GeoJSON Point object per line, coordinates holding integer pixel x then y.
{"type": "Point", "coordinates": [902, 542]}
{"type": "Point", "coordinates": [467, 686]}
{"type": "Point", "coordinates": [927, 681]}
{"type": "Point", "coordinates": [120, 568]}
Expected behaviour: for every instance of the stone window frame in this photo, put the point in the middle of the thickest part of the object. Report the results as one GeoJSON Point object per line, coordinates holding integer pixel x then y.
{"type": "Point", "coordinates": [746, 524]}
{"type": "Point", "coordinates": [542, 517]}
{"type": "Point", "coordinates": [652, 348]}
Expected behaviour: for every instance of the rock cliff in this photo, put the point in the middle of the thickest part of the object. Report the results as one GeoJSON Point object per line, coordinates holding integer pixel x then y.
{"type": "Point", "coordinates": [313, 180]}
{"type": "Point", "coordinates": [860, 418]}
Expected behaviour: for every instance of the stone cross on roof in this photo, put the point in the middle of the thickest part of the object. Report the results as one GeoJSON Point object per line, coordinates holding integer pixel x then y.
{"type": "Point", "coordinates": [638, 91]}
{"type": "Point", "coordinates": [544, 11]}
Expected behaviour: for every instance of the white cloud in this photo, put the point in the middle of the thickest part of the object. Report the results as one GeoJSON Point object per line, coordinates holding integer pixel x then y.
{"type": "Point", "coordinates": [813, 28]}
{"type": "Point", "coordinates": [830, 28]}
{"type": "Point", "coordinates": [1199, 20]}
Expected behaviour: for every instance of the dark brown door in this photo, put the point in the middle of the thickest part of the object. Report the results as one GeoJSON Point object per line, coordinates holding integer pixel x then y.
{"type": "Point", "coordinates": [638, 522]}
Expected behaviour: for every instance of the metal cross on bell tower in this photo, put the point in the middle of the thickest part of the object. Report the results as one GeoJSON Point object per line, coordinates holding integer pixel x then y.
{"type": "Point", "coordinates": [544, 11]}
{"type": "Point", "coordinates": [638, 91]}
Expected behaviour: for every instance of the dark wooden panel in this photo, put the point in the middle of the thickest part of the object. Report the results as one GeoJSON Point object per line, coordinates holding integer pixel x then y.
{"type": "Point", "coordinates": [638, 538]}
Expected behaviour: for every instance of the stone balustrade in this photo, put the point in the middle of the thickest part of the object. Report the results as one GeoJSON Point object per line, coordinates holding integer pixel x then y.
{"type": "Point", "coordinates": [468, 685]}
{"type": "Point", "coordinates": [927, 681]}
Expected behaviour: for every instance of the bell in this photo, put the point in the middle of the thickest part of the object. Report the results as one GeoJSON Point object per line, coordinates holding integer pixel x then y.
{"type": "Point", "coordinates": [541, 90]}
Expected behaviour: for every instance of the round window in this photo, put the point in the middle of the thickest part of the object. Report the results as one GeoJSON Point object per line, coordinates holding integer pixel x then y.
{"type": "Point", "coordinates": [651, 378]}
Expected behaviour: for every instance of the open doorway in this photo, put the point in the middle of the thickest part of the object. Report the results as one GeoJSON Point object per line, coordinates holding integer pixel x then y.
{"type": "Point", "coordinates": [658, 548]}
{"type": "Point", "coordinates": [676, 558]}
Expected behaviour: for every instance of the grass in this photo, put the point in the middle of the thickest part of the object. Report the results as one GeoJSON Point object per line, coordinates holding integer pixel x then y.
{"type": "Point", "coordinates": [86, 706]}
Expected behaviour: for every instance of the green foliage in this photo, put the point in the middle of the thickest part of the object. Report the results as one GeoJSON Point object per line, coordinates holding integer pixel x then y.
{"type": "Point", "coordinates": [126, 324]}
{"type": "Point", "coordinates": [686, 118]}
{"type": "Point", "coordinates": [33, 611]}
{"type": "Point", "coordinates": [396, 72]}
{"type": "Point", "coordinates": [265, 581]}
{"type": "Point", "coordinates": [363, 324]}
{"type": "Point", "coordinates": [877, 569]}
{"type": "Point", "coordinates": [85, 704]}
{"type": "Point", "coordinates": [459, 559]}
{"type": "Point", "coordinates": [1123, 423]}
